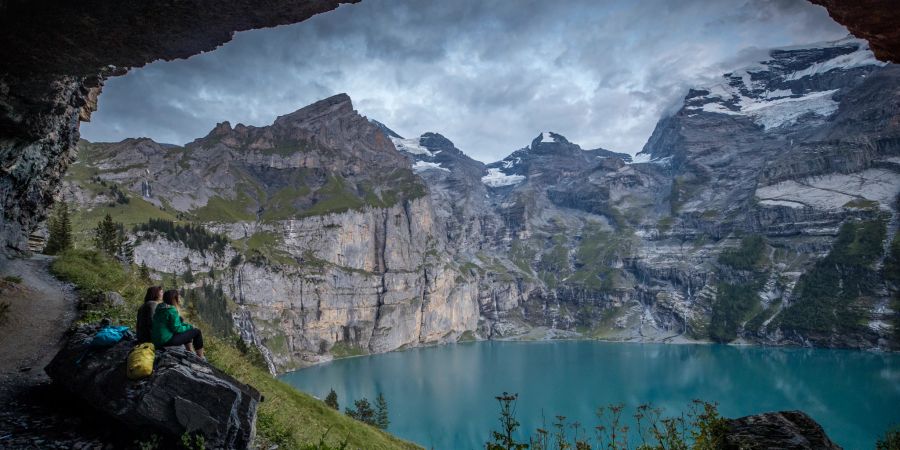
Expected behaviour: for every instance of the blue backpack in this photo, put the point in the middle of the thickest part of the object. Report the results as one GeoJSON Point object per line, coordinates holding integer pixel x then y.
{"type": "Point", "coordinates": [108, 336]}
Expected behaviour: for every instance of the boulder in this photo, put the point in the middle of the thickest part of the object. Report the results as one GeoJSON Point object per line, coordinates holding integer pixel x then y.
{"type": "Point", "coordinates": [114, 299]}
{"type": "Point", "coordinates": [784, 430]}
{"type": "Point", "coordinates": [183, 395]}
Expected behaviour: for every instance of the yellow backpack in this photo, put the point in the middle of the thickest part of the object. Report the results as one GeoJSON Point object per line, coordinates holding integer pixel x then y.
{"type": "Point", "coordinates": [140, 361]}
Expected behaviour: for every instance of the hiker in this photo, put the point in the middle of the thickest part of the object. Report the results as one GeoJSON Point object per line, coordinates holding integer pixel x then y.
{"type": "Point", "coordinates": [169, 330]}
{"type": "Point", "coordinates": [144, 322]}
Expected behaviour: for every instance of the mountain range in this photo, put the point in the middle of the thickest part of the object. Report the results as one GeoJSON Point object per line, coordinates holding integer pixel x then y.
{"type": "Point", "coordinates": [764, 210]}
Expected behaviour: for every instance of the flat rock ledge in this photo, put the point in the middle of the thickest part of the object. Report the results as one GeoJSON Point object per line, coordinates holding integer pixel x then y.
{"type": "Point", "coordinates": [784, 430]}
{"type": "Point", "coordinates": [183, 395]}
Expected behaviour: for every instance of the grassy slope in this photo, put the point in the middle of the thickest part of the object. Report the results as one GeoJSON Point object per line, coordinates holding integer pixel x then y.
{"type": "Point", "coordinates": [287, 417]}
{"type": "Point", "coordinates": [84, 220]}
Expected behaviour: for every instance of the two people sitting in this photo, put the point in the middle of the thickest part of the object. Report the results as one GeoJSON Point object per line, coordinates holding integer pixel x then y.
{"type": "Point", "coordinates": [159, 322]}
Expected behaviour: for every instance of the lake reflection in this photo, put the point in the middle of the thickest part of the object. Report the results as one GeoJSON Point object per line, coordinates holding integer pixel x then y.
{"type": "Point", "coordinates": [444, 396]}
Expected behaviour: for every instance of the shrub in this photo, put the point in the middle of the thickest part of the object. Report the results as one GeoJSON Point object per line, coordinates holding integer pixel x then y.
{"type": "Point", "coordinates": [701, 428]}
{"type": "Point", "coordinates": [4, 312]}
{"type": "Point", "coordinates": [14, 279]}
{"type": "Point", "coordinates": [890, 440]}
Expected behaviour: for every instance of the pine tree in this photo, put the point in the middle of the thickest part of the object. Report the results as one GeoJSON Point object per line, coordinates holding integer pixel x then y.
{"type": "Point", "coordinates": [188, 275]}
{"type": "Point", "coordinates": [381, 412]}
{"type": "Point", "coordinates": [362, 412]}
{"type": "Point", "coordinates": [60, 228]}
{"type": "Point", "coordinates": [126, 251]}
{"type": "Point", "coordinates": [145, 271]}
{"type": "Point", "coordinates": [332, 400]}
{"type": "Point", "coordinates": [107, 238]}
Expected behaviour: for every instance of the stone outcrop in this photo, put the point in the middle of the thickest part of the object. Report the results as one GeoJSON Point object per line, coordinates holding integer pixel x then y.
{"type": "Point", "coordinates": [785, 430]}
{"type": "Point", "coordinates": [56, 58]}
{"type": "Point", "coordinates": [873, 20]}
{"type": "Point", "coordinates": [183, 395]}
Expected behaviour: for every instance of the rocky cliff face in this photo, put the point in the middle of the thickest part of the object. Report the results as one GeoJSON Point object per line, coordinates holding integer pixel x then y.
{"type": "Point", "coordinates": [762, 211]}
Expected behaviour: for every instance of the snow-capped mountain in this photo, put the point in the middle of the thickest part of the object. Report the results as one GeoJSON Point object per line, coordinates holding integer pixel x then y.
{"type": "Point", "coordinates": [795, 82]}
{"type": "Point", "coordinates": [549, 155]}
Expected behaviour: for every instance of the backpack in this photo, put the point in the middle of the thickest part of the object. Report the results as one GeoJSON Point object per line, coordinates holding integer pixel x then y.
{"type": "Point", "coordinates": [140, 361]}
{"type": "Point", "coordinates": [108, 336]}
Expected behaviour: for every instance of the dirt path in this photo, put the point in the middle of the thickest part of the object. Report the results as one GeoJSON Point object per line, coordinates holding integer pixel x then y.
{"type": "Point", "coordinates": [41, 309]}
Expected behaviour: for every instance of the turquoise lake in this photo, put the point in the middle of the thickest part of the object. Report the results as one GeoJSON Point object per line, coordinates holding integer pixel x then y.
{"type": "Point", "coordinates": [443, 397]}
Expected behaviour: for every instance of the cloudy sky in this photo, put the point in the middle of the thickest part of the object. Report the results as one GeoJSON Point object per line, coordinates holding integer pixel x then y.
{"type": "Point", "coordinates": [488, 74]}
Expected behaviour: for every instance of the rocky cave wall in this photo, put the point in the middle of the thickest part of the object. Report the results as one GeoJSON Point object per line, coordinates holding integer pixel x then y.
{"type": "Point", "coordinates": [57, 54]}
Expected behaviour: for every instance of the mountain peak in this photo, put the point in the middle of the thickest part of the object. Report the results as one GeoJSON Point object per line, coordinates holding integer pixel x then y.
{"type": "Point", "coordinates": [549, 137]}
{"type": "Point", "coordinates": [794, 84]}
{"type": "Point", "coordinates": [336, 105]}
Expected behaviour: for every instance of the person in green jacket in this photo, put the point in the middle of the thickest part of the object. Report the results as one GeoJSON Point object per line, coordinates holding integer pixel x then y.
{"type": "Point", "coordinates": [168, 329]}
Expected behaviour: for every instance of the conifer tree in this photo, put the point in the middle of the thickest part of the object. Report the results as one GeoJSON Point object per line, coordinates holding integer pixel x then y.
{"type": "Point", "coordinates": [381, 412]}
{"type": "Point", "coordinates": [107, 237]}
{"type": "Point", "coordinates": [362, 412]}
{"type": "Point", "coordinates": [145, 271]}
{"type": "Point", "coordinates": [332, 401]}
{"type": "Point", "coordinates": [60, 228]}
{"type": "Point", "coordinates": [188, 275]}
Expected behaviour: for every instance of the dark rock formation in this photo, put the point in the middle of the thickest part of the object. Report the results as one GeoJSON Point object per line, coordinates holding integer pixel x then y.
{"type": "Point", "coordinates": [183, 395]}
{"type": "Point", "coordinates": [56, 56]}
{"type": "Point", "coordinates": [80, 38]}
{"type": "Point", "coordinates": [784, 430]}
{"type": "Point", "coordinates": [873, 20]}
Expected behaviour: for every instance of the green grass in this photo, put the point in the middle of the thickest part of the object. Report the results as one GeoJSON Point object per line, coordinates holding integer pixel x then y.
{"type": "Point", "coordinates": [220, 209]}
{"type": "Point", "coordinates": [334, 197]}
{"type": "Point", "coordinates": [279, 205]}
{"type": "Point", "coordinates": [467, 336]}
{"type": "Point", "coordinates": [94, 273]}
{"type": "Point", "coordinates": [595, 255]}
{"type": "Point", "coordinates": [861, 203]}
{"type": "Point", "coordinates": [287, 417]}
{"type": "Point", "coordinates": [14, 279]}
{"type": "Point", "coordinates": [665, 224]}
{"type": "Point", "coordinates": [136, 211]}
{"type": "Point", "coordinates": [344, 350]}
{"type": "Point", "coordinates": [263, 247]}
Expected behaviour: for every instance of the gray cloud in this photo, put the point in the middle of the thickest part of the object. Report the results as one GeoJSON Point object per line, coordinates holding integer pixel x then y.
{"type": "Point", "coordinates": [489, 75]}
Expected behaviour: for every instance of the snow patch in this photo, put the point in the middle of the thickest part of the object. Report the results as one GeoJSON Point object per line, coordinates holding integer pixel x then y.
{"type": "Point", "coordinates": [833, 191]}
{"type": "Point", "coordinates": [547, 137]}
{"type": "Point", "coordinates": [496, 178]}
{"type": "Point", "coordinates": [775, 113]}
{"type": "Point", "coordinates": [410, 146]}
{"type": "Point", "coordinates": [861, 57]}
{"type": "Point", "coordinates": [421, 166]}
{"type": "Point", "coordinates": [640, 158]}
{"type": "Point", "coordinates": [508, 164]}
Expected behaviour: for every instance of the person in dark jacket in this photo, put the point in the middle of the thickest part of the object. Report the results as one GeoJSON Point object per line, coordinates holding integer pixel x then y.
{"type": "Point", "coordinates": [144, 322]}
{"type": "Point", "coordinates": [168, 329]}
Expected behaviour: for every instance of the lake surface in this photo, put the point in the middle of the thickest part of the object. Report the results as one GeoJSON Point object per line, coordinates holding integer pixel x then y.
{"type": "Point", "coordinates": [443, 397]}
